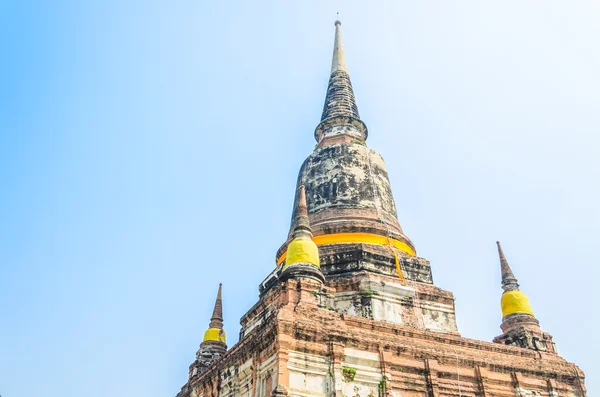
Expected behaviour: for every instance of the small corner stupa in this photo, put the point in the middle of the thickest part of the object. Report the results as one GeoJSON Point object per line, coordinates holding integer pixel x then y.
{"type": "Point", "coordinates": [519, 325]}
{"type": "Point", "coordinates": [214, 344]}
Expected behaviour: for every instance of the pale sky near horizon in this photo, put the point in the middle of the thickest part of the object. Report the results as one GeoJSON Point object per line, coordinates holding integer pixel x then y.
{"type": "Point", "coordinates": [149, 151]}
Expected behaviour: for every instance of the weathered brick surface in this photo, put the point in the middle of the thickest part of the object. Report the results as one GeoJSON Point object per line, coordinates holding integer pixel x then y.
{"type": "Point", "coordinates": [418, 362]}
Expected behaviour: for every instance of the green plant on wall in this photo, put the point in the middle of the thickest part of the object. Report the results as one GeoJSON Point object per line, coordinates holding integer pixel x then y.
{"type": "Point", "coordinates": [368, 293]}
{"type": "Point", "coordinates": [382, 386]}
{"type": "Point", "coordinates": [348, 373]}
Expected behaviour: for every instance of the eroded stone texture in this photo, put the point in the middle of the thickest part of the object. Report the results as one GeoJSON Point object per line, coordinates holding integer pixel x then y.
{"type": "Point", "coordinates": [524, 331]}
{"type": "Point", "coordinates": [343, 258]}
{"type": "Point", "coordinates": [340, 99]}
{"type": "Point", "coordinates": [207, 354]}
{"type": "Point", "coordinates": [342, 177]}
{"type": "Point", "coordinates": [348, 190]}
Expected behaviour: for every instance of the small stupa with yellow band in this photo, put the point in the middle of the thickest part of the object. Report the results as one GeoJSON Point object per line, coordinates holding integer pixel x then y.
{"type": "Point", "coordinates": [513, 300]}
{"type": "Point", "coordinates": [302, 259]}
{"type": "Point", "coordinates": [214, 344]}
{"type": "Point", "coordinates": [519, 325]}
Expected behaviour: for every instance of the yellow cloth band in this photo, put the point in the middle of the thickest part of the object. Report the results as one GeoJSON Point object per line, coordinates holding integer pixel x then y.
{"type": "Point", "coordinates": [302, 250]}
{"type": "Point", "coordinates": [214, 334]}
{"type": "Point", "coordinates": [515, 302]}
{"type": "Point", "coordinates": [364, 238]}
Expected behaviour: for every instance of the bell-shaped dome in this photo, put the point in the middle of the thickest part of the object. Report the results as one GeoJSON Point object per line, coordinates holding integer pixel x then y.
{"type": "Point", "coordinates": [214, 335]}
{"type": "Point", "coordinates": [515, 301]}
{"type": "Point", "coordinates": [348, 190]}
{"type": "Point", "coordinates": [302, 250]}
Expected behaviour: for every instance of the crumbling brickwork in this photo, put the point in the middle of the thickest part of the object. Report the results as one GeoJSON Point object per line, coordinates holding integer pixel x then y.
{"type": "Point", "coordinates": [301, 347]}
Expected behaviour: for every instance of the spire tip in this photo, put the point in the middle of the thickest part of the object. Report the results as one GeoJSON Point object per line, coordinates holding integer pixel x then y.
{"type": "Point", "coordinates": [339, 60]}
{"type": "Point", "coordinates": [216, 321]}
{"type": "Point", "coordinates": [509, 281]}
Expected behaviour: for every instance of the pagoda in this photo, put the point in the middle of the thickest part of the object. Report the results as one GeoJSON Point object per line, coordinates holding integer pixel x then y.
{"type": "Point", "coordinates": [350, 309]}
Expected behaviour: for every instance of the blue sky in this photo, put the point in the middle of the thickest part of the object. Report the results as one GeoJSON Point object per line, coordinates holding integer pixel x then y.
{"type": "Point", "coordinates": [149, 151]}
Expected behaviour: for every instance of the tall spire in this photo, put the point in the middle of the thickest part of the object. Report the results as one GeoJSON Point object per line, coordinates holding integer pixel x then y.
{"type": "Point", "coordinates": [509, 281]}
{"type": "Point", "coordinates": [340, 113]}
{"type": "Point", "coordinates": [216, 321]}
{"type": "Point", "coordinates": [340, 99]}
{"type": "Point", "coordinates": [347, 185]}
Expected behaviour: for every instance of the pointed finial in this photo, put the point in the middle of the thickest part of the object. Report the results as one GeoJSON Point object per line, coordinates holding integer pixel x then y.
{"type": "Point", "coordinates": [216, 321]}
{"type": "Point", "coordinates": [302, 224]}
{"type": "Point", "coordinates": [339, 60]}
{"type": "Point", "coordinates": [509, 281]}
{"type": "Point", "coordinates": [302, 209]}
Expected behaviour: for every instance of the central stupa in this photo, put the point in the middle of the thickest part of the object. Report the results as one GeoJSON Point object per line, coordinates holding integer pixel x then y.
{"type": "Point", "coordinates": [348, 191]}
